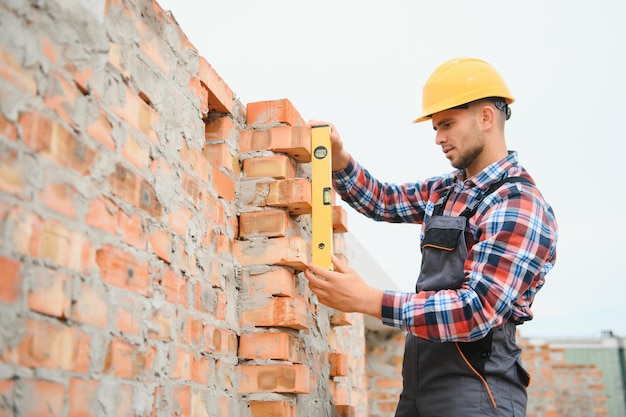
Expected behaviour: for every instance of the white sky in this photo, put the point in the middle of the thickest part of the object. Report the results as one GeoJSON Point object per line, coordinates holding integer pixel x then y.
{"type": "Point", "coordinates": [362, 65]}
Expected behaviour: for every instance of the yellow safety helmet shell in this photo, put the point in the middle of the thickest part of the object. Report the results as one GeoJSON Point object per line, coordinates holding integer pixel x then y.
{"type": "Point", "coordinates": [460, 81]}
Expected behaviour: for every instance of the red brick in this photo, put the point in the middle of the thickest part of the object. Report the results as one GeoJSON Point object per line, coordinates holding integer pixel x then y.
{"type": "Point", "coordinates": [83, 396]}
{"type": "Point", "coordinates": [222, 303]}
{"type": "Point", "coordinates": [220, 128]}
{"type": "Point", "coordinates": [194, 160]}
{"type": "Point", "coordinates": [161, 323]}
{"type": "Point", "coordinates": [182, 401]}
{"type": "Point", "coordinates": [138, 192]}
{"type": "Point", "coordinates": [187, 259]}
{"type": "Point", "coordinates": [151, 44]}
{"type": "Point", "coordinates": [338, 364]}
{"type": "Point", "coordinates": [191, 328]}
{"type": "Point", "coordinates": [213, 210]}
{"type": "Point", "coordinates": [178, 220]}
{"type": "Point", "coordinates": [274, 111]}
{"type": "Point", "coordinates": [219, 340]}
{"type": "Point", "coordinates": [388, 383]}
{"type": "Point", "coordinates": [136, 151]}
{"type": "Point", "coordinates": [15, 74]}
{"type": "Point", "coordinates": [340, 394]}
{"type": "Point", "coordinates": [223, 184]}
{"type": "Point", "coordinates": [53, 141]}
{"type": "Point", "coordinates": [275, 312]}
{"type": "Point", "coordinates": [276, 345]}
{"type": "Point", "coordinates": [278, 283]}
{"type": "Point", "coordinates": [49, 49]}
{"type": "Point", "coordinates": [103, 214]}
{"type": "Point", "coordinates": [174, 286]}
{"type": "Point", "coordinates": [8, 128]}
{"type": "Point", "coordinates": [274, 378]}
{"type": "Point", "coordinates": [10, 289]}
{"type": "Point", "coordinates": [347, 410]}
{"type": "Point", "coordinates": [201, 93]}
{"type": "Point", "coordinates": [137, 114]}
{"type": "Point", "coordinates": [132, 228]}
{"type": "Point", "coordinates": [340, 220]}
{"type": "Point", "coordinates": [52, 346]}
{"type": "Point", "coordinates": [292, 194]}
{"type": "Point", "coordinates": [275, 166]}
{"type": "Point", "coordinates": [50, 240]}
{"type": "Point", "coordinates": [294, 141]}
{"type": "Point", "coordinates": [341, 318]}
{"type": "Point", "coordinates": [219, 154]}
{"type": "Point", "coordinates": [267, 223]}
{"type": "Point", "coordinates": [42, 398]}
{"type": "Point", "coordinates": [201, 369]}
{"type": "Point", "coordinates": [191, 188]}
{"type": "Point", "coordinates": [272, 409]}
{"type": "Point", "coordinates": [127, 361]}
{"type": "Point", "coordinates": [50, 292]}
{"type": "Point", "coordinates": [100, 129]}
{"type": "Point", "coordinates": [91, 306]}
{"type": "Point", "coordinates": [287, 251]}
{"type": "Point", "coordinates": [12, 174]}
{"type": "Point", "coordinates": [181, 364]}
{"type": "Point", "coordinates": [221, 97]}
{"type": "Point", "coordinates": [121, 269]}
{"type": "Point", "coordinates": [59, 197]}
{"type": "Point", "coordinates": [115, 57]}
{"type": "Point", "coordinates": [161, 243]}
{"type": "Point", "coordinates": [129, 314]}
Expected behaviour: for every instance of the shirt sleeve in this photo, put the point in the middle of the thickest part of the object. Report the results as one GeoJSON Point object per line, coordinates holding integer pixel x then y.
{"type": "Point", "coordinates": [378, 200]}
{"type": "Point", "coordinates": [504, 269]}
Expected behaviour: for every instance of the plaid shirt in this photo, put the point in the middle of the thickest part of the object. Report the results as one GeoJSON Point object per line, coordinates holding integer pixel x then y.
{"type": "Point", "coordinates": [515, 233]}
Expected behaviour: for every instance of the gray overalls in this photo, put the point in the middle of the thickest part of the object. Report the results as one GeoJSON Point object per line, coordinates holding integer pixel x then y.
{"type": "Point", "coordinates": [458, 379]}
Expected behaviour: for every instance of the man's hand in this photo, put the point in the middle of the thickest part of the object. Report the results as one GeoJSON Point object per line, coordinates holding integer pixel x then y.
{"type": "Point", "coordinates": [340, 158]}
{"type": "Point", "coordinates": [343, 289]}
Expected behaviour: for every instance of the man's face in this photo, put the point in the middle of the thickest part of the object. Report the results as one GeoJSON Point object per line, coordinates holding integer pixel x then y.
{"type": "Point", "coordinates": [460, 138]}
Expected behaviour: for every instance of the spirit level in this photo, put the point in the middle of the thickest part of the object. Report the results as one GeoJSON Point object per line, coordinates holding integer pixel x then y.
{"type": "Point", "coordinates": [322, 211]}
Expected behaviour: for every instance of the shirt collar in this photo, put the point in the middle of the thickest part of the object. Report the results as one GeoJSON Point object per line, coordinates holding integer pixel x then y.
{"type": "Point", "coordinates": [491, 173]}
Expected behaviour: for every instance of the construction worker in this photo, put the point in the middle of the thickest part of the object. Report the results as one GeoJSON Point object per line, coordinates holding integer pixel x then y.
{"type": "Point", "coordinates": [487, 242]}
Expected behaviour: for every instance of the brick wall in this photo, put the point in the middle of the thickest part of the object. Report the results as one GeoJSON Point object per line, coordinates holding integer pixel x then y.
{"type": "Point", "coordinates": [385, 350]}
{"type": "Point", "coordinates": [153, 229]}
{"type": "Point", "coordinates": [561, 389]}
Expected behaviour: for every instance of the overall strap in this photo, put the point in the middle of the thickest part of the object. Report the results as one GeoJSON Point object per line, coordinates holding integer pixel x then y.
{"type": "Point", "coordinates": [471, 210]}
{"type": "Point", "coordinates": [441, 203]}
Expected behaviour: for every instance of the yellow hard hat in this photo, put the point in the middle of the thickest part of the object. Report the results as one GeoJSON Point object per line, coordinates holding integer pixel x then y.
{"type": "Point", "coordinates": [460, 81]}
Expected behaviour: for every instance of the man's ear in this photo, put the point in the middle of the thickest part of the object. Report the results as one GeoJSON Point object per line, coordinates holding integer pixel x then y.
{"type": "Point", "coordinates": [487, 117]}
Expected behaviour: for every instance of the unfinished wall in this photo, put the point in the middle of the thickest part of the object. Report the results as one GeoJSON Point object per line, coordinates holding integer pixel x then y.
{"type": "Point", "coordinates": [152, 230]}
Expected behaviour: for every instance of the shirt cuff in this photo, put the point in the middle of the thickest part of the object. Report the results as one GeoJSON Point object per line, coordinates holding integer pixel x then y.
{"type": "Point", "coordinates": [391, 310]}
{"type": "Point", "coordinates": [345, 178]}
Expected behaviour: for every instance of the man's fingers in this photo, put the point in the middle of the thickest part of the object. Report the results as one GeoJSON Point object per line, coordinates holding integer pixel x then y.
{"type": "Point", "coordinates": [339, 265]}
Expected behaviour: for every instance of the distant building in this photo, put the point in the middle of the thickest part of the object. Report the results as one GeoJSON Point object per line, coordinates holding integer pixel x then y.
{"type": "Point", "coordinates": [605, 354]}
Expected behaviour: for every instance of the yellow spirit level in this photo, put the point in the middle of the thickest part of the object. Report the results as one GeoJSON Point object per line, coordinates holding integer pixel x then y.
{"type": "Point", "coordinates": [322, 211]}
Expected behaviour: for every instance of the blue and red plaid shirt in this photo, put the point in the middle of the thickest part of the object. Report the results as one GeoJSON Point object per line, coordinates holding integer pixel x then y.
{"type": "Point", "coordinates": [515, 235]}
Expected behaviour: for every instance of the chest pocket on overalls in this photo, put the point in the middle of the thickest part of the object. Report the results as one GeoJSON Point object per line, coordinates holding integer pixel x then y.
{"type": "Point", "coordinates": [443, 254]}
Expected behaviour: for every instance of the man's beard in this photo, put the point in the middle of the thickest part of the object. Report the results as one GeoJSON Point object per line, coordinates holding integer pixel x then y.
{"type": "Point", "coordinates": [470, 156]}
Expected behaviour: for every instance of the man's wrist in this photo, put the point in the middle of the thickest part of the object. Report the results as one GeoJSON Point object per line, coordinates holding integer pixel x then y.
{"type": "Point", "coordinates": [340, 161]}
